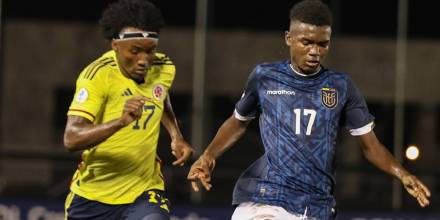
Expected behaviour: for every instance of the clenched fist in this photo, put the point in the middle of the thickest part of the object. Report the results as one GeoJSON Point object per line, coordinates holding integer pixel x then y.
{"type": "Point", "coordinates": [133, 109]}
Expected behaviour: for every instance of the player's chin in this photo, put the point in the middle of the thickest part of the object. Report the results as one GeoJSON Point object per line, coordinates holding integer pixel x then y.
{"type": "Point", "coordinates": [138, 76]}
{"type": "Point", "coordinates": [309, 70]}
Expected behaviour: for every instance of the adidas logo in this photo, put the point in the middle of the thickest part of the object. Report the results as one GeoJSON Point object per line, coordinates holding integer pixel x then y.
{"type": "Point", "coordinates": [127, 92]}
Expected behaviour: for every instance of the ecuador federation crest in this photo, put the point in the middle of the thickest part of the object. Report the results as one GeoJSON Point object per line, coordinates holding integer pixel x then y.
{"type": "Point", "coordinates": [329, 97]}
{"type": "Point", "coordinates": [159, 92]}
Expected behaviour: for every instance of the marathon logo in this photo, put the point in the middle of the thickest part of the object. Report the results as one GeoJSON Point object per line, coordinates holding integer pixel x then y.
{"type": "Point", "coordinates": [280, 92]}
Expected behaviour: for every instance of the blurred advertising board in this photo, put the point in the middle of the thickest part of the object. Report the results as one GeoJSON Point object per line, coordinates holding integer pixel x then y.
{"type": "Point", "coordinates": [24, 209]}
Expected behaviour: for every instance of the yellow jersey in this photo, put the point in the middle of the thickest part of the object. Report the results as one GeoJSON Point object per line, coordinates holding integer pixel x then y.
{"type": "Point", "coordinates": [125, 165]}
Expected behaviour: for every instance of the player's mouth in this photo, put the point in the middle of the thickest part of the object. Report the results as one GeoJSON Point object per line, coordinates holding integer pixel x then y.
{"type": "Point", "coordinates": [141, 71]}
{"type": "Point", "coordinates": [312, 63]}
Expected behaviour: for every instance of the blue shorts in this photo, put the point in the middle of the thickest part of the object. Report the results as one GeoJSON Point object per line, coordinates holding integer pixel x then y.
{"type": "Point", "coordinates": [151, 205]}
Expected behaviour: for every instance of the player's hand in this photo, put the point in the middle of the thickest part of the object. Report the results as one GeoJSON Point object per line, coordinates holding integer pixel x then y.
{"type": "Point", "coordinates": [133, 109]}
{"type": "Point", "coordinates": [201, 172]}
{"type": "Point", "coordinates": [417, 189]}
{"type": "Point", "coordinates": [181, 150]}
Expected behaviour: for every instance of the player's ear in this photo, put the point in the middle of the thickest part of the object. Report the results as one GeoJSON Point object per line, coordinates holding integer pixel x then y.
{"type": "Point", "coordinates": [114, 45]}
{"type": "Point", "coordinates": [287, 38]}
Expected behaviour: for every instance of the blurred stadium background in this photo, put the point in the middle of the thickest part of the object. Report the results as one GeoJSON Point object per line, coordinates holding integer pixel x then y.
{"type": "Point", "coordinates": [391, 48]}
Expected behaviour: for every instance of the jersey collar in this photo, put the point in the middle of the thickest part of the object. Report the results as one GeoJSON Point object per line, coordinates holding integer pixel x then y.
{"type": "Point", "coordinates": [305, 76]}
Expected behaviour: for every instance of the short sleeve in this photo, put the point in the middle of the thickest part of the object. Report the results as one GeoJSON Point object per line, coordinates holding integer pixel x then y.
{"type": "Point", "coordinates": [89, 96]}
{"type": "Point", "coordinates": [164, 66]}
{"type": "Point", "coordinates": [167, 75]}
{"type": "Point", "coordinates": [246, 108]}
{"type": "Point", "coordinates": [357, 119]}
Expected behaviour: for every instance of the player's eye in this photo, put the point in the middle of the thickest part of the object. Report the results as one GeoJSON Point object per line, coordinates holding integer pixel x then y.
{"type": "Point", "coordinates": [324, 44]}
{"type": "Point", "coordinates": [151, 50]}
{"type": "Point", "coordinates": [305, 43]}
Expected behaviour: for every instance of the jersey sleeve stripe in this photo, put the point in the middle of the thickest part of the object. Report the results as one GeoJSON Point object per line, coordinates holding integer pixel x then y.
{"type": "Point", "coordinates": [241, 117]}
{"type": "Point", "coordinates": [362, 130]}
{"type": "Point", "coordinates": [82, 111]}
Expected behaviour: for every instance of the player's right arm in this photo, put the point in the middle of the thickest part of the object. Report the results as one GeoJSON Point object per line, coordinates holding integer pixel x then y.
{"type": "Point", "coordinates": [231, 131]}
{"type": "Point", "coordinates": [81, 133]}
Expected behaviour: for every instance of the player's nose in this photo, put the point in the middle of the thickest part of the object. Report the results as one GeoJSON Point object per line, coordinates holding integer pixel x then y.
{"type": "Point", "coordinates": [314, 51]}
{"type": "Point", "coordinates": [144, 61]}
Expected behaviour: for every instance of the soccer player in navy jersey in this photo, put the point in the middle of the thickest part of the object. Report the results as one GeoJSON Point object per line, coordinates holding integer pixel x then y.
{"type": "Point", "coordinates": [300, 105]}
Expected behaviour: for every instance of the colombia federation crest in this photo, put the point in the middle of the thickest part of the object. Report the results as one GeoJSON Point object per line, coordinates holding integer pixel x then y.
{"type": "Point", "coordinates": [159, 92]}
{"type": "Point", "coordinates": [329, 97]}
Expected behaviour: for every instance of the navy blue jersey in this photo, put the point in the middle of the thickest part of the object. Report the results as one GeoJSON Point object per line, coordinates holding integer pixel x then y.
{"type": "Point", "coordinates": [299, 118]}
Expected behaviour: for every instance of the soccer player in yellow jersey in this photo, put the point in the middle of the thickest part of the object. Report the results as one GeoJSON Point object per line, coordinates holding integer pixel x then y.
{"type": "Point", "coordinates": [120, 100]}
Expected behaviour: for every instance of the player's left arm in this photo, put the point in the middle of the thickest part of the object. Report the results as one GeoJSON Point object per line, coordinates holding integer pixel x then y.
{"type": "Point", "coordinates": [378, 155]}
{"type": "Point", "coordinates": [179, 147]}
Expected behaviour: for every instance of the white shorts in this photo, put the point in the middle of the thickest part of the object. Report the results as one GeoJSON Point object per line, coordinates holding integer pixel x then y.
{"type": "Point", "coordinates": [257, 211]}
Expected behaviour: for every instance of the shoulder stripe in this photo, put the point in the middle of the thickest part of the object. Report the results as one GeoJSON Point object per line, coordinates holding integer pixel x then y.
{"type": "Point", "coordinates": [99, 67]}
{"type": "Point", "coordinates": [91, 66]}
{"type": "Point", "coordinates": [156, 64]}
{"type": "Point", "coordinates": [103, 59]}
{"type": "Point", "coordinates": [94, 65]}
{"type": "Point", "coordinates": [162, 59]}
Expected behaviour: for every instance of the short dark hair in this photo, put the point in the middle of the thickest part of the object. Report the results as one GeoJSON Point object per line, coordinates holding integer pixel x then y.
{"type": "Point", "coordinates": [313, 12]}
{"type": "Point", "coordinates": [139, 14]}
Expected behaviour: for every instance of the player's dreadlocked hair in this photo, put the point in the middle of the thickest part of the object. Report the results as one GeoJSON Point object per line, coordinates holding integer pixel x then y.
{"type": "Point", "coordinates": [139, 14]}
{"type": "Point", "coordinates": [312, 12]}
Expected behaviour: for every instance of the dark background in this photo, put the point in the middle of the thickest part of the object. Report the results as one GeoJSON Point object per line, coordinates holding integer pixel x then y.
{"type": "Point", "coordinates": [368, 18]}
